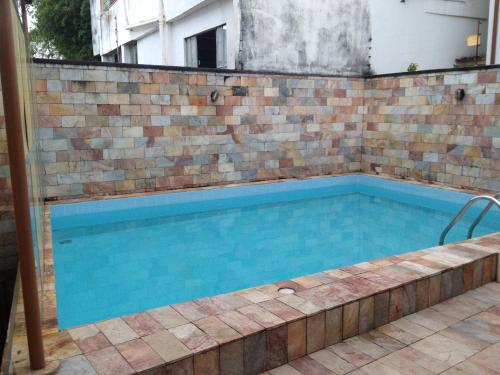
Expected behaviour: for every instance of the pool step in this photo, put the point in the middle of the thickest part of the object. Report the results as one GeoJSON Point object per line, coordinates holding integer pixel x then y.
{"type": "Point", "coordinates": [349, 309]}
{"type": "Point", "coordinates": [458, 334]}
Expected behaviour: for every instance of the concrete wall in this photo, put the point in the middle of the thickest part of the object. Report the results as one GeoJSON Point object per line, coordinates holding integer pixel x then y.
{"type": "Point", "coordinates": [414, 127]}
{"type": "Point", "coordinates": [321, 36]}
{"type": "Point", "coordinates": [113, 130]}
{"type": "Point", "coordinates": [430, 33]}
{"type": "Point", "coordinates": [309, 37]}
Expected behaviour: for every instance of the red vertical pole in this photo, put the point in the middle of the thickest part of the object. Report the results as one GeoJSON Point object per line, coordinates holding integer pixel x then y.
{"type": "Point", "coordinates": [15, 144]}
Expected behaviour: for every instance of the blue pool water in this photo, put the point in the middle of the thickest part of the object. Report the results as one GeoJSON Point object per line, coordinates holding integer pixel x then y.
{"type": "Point", "coordinates": [120, 256]}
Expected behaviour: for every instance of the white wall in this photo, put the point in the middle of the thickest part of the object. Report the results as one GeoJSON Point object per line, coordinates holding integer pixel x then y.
{"type": "Point", "coordinates": [119, 24]}
{"type": "Point", "coordinates": [431, 33]}
{"type": "Point", "coordinates": [404, 33]}
{"type": "Point", "coordinates": [178, 8]}
{"type": "Point", "coordinates": [300, 36]}
{"type": "Point", "coordinates": [148, 50]}
{"type": "Point", "coordinates": [214, 14]}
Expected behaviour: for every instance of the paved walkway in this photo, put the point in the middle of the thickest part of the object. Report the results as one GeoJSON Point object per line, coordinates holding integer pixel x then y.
{"type": "Point", "coordinates": [458, 336]}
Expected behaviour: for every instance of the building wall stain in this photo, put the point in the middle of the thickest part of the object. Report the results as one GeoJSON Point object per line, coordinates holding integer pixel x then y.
{"type": "Point", "coordinates": [322, 36]}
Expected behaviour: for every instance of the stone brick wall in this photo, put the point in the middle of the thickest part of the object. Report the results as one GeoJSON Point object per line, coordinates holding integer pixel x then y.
{"type": "Point", "coordinates": [107, 130]}
{"type": "Point", "coordinates": [415, 127]}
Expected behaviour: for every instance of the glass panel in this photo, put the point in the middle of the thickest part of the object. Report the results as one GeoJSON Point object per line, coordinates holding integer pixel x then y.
{"type": "Point", "coordinates": [191, 52]}
{"type": "Point", "coordinates": [221, 47]}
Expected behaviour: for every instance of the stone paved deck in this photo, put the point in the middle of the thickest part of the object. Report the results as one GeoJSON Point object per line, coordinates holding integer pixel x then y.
{"type": "Point", "coordinates": [458, 336]}
{"type": "Point", "coordinates": [258, 329]}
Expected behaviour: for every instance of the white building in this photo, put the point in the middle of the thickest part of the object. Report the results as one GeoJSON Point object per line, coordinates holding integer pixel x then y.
{"type": "Point", "coordinates": [302, 36]}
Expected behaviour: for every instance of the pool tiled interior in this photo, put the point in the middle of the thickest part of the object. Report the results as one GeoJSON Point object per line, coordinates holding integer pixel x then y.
{"type": "Point", "coordinates": [258, 329]}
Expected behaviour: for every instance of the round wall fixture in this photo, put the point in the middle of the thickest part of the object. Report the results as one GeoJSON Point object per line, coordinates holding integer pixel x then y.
{"type": "Point", "coordinates": [286, 290]}
{"type": "Point", "coordinates": [460, 94]}
{"type": "Point", "coordinates": [214, 96]}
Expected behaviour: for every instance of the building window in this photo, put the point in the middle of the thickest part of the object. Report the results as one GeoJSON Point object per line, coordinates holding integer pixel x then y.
{"type": "Point", "coordinates": [130, 52]}
{"type": "Point", "coordinates": [207, 49]}
{"type": "Point", "coordinates": [112, 56]}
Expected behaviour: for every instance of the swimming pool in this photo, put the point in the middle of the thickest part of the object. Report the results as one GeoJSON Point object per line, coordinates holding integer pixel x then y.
{"type": "Point", "coordinates": [125, 255]}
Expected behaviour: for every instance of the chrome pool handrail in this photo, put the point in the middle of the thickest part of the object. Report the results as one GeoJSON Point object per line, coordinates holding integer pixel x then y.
{"type": "Point", "coordinates": [480, 217]}
{"type": "Point", "coordinates": [492, 201]}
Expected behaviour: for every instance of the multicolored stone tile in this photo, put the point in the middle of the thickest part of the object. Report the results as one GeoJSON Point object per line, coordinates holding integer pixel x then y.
{"type": "Point", "coordinates": [297, 339]}
{"type": "Point", "coordinates": [444, 349]}
{"type": "Point", "coordinates": [350, 354]}
{"type": "Point", "coordinates": [117, 331]}
{"type": "Point", "coordinates": [169, 347]}
{"type": "Point", "coordinates": [350, 320]}
{"type": "Point", "coordinates": [240, 323]}
{"type": "Point", "coordinates": [277, 347]}
{"type": "Point", "coordinates": [281, 310]}
{"type": "Point", "coordinates": [366, 314]}
{"type": "Point", "coordinates": [139, 355]}
{"type": "Point", "coordinates": [255, 353]}
{"type": "Point", "coordinates": [217, 330]}
{"type": "Point", "coordinates": [261, 316]}
{"type": "Point", "coordinates": [307, 365]}
{"type": "Point", "coordinates": [89, 338]}
{"type": "Point", "coordinates": [108, 361]}
{"type": "Point", "coordinates": [333, 326]}
{"type": "Point", "coordinates": [76, 365]}
{"type": "Point", "coordinates": [315, 332]}
{"type": "Point", "coordinates": [168, 317]}
{"type": "Point", "coordinates": [207, 363]}
{"type": "Point", "coordinates": [231, 358]}
{"type": "Point", "coordinates": [193, 338]}
{"type": "Point", "coordinates": [332, 362]}
{"type": "Point", "coordinates": [143, 324]}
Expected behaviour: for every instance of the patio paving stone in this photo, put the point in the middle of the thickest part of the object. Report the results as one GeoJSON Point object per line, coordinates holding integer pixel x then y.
{"type": "Point", "coordinates": [108, 361]}
{"type": "Point", "coordinates": [167, 317]}
{"type": "Point", "coordinates": [89, 338]}
{"type": "Point", "coordinates": [139, 355]}
{"type": "Point", "coordinates": [167, 346]}
{"type": "Point", "coordinates": [117, 331]}
{"type": "Point", "coordinates": [194, 338]}
{"type": "Point", "coordinates": [217, 330]}
{"type": "Point", "coordinates": [143, 323]}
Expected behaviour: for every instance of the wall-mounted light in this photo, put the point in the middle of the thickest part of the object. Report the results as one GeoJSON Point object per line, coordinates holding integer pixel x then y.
{"type": "Point", "coordinates": [460, 94]}
{"type": "Point", "coordinates": [214, 96]}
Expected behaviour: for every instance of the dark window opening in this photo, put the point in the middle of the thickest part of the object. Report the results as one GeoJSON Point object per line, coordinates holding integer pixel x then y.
{"type": "Point", "coordinates": [207, 47]}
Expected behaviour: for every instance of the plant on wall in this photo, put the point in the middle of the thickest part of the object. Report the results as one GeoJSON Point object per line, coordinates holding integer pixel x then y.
{"type": "Point", "coordinates": [63, 28]}
{"type": "Point", "coordinates": [413, 67]}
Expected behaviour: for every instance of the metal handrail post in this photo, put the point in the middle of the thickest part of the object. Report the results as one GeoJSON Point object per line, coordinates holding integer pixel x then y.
{"type": "Point", "coordinates": [480, 218]}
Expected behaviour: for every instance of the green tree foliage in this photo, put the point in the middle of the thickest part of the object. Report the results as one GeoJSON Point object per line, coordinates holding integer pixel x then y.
{"type": "Point", "coordinates": [62, 28]}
